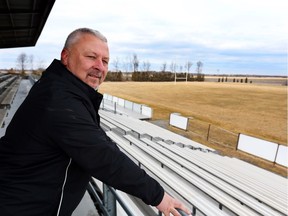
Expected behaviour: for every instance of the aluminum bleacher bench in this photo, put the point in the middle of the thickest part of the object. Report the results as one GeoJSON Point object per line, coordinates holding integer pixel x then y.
{"type": "Point", "coordinates": [143, 128]}
{"type": "Point", "coordinates": [8, 99]}
{"type": "Point", "coordinates": [3, 113]}
{"type": "Point", "coordinates": [245, 176]}
{"type": "Point", "coordinates": [8, 91]}
{"type": "Point", "coordinates": [234, 191]}
{"type": "Point", "coordinates": [197, 202]}
{"type": "Point", "coordinates": [175, 138]}
{"type": "Point", "coordinates": [225, 194]}
{"type": "Point", "coordinates": [7, 82]}
{"type": "Point", "coordinates": [113, 119]}
{"type": "Point", "coordinates": [218, 167]}
{"type": "Point", "coordinates": [107, 124]}
{"type": "Point", "coordinates": [225, 169]}
{"type": "Point", "coordinates": [252, 175]}
{"type": "Point", "coordinates": [111, 122]}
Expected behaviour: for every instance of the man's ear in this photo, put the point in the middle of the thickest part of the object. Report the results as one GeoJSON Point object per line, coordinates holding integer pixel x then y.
{"type": "Point", "coordinates": [64, 56]}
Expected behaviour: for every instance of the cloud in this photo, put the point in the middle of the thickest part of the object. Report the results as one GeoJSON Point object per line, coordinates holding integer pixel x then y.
{"type": "Point", "coordinates": [225, 35]}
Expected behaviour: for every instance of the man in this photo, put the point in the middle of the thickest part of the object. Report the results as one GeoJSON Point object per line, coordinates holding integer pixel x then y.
{"type": "Point", "coordinates": [54, 143]}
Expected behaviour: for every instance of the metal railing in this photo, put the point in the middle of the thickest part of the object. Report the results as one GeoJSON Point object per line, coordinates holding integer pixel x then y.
{"type": "Point", "coordinates": [106, 202]}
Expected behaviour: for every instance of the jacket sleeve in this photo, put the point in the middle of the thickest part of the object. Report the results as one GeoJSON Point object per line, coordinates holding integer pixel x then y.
{"type": "Point", "coordinates": [74, 131]}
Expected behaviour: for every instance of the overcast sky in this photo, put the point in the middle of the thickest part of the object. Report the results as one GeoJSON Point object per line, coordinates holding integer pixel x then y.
{"type": "Point", "coordinates": [227, 36]}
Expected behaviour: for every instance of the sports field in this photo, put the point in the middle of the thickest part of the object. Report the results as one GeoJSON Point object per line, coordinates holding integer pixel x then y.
{"type": "Point", "coordinates": [256, 110]}
{"type": "Point", "coordinates": [251, 109]}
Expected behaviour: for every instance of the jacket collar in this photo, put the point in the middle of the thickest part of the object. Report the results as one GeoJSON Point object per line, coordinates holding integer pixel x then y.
{"type": "Point", "coordinates": [59, 71]}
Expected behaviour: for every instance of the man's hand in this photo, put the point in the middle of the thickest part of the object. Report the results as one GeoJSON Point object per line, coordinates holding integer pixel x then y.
{"type": "Point", "coordinates": [170, 205]}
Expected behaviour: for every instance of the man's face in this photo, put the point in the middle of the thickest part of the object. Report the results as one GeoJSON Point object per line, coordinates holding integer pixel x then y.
{"type": "Point", "coordinates": [87, 59]}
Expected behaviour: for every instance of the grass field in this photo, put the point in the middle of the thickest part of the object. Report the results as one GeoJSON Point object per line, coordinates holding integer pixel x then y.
{"type": "Point", "coordinates": [256, 110]}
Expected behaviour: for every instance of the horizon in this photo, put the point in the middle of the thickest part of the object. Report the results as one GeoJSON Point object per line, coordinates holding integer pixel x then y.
{"type": "Point", "coordinates": [4, 70]}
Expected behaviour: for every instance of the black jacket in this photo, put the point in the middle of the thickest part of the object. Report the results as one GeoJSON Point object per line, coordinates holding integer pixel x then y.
{"type": "Point", "coordinates": [54, 144]}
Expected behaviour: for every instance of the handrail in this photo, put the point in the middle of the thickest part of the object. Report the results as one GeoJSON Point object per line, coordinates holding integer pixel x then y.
{"type": "Point", "coordinates": [91, 188]}
{"type": "Point", "coordinates": [97, 198]}
{"type": "Point", "coordinates": [100, 202]}
{"type": "Point", "coordinates": [120, 201]}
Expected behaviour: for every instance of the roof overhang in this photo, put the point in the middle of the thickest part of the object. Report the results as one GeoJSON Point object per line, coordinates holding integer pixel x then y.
{"type": "Point", "coordinates": [22, 21]}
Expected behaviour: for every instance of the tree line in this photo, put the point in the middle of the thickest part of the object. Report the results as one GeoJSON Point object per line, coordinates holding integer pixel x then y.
{"type": "Point", "coordinates": [134, 70]}
{"type": "Point", "coordinates": [152, 76]}
{"type": "Point", "coordinates": [137, 71]}
{"type": "Point", "coordinates": [133, 64]}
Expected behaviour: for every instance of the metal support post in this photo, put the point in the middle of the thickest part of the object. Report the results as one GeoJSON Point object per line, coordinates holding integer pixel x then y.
{"type": "Point", "coordinates": [109, 201]}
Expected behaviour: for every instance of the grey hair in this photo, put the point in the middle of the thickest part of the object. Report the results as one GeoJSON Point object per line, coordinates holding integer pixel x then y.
{"type": "Point", "coordinates": [76, 34]}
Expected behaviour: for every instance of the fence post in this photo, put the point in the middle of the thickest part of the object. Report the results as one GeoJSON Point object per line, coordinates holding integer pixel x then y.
{"type": "Point", "coordinates": [109, 201]}
{"type": "Point", "coordinates": [208, 132]}
{"type": "Point", "coordinates": [275, 158]}
{"type": "Point", "coordinates": [236, 147]}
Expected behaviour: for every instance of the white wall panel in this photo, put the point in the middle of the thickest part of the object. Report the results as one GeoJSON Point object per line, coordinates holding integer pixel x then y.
{"type": "Point", "coordinates": [178, 121]}
{"type": "Point", "coordinates": [115, 99]}
{"type": "Point", "coordinates": [110, 97]}
{"type": "Point", "coordinates": [105, 96]}
{"type": "Point", "coordinates": [121, 102]}
{"type": "Point", "coordinates": [128, 105]}
{"type": "Point", "coordinates": [282, 156]}
{"type": "Point", "coordinates": [137, 108]}
{"type": "Point", "coordinates": [147, 111]}
{"type": "Point", "coordinates": [258, 147]}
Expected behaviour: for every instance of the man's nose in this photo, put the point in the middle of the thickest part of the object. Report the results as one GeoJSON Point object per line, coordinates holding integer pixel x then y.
{"type": "Point", "coordinates": [98, 64]}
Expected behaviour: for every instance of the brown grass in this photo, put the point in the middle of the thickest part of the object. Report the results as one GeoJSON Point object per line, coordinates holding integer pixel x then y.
{"type": "Point", "coordinates": [255, 110]}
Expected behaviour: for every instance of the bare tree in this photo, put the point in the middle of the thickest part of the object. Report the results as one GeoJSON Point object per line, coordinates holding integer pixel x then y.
{"type": "Point", "coordinates": [199, 71]}
{"type": "Point", "coordinates": [135, 63]}
{"type": "Point", "coordinates": [146, 66]}
{"type": "Point", "coordinates": [22, 61]}
{"type": "Point", "coordinates": [173, 67]}
{"type": "Point", "coordinates": [164, 66]}
{"type": "Point", "coordinates": [116, 64]}
{"type": "Point", "coordinates": [126, 64]}
{"type": "Point", "coordinates": [40, 65]}
{"type": "Point", "coordinates": [199, 67]}
{"type": "Point", "coordinates": [188, 66]}
{"type": "Point", "coordinates": [31, 62]}
{"type": "Point", "coordinates": [143, 66]}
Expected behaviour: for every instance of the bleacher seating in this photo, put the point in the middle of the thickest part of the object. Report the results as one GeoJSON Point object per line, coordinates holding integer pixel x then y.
{"type": "Point", "coordinates": [143, 128]}
{"type": "Point", "coordinates": [210, 183]}
{"type": "Point", "coordinates": [8, 88]}
{"type": "Point", "coordinates": [3, 113]}
{"type": "Point", "coordinates": [170, 180]}
{"type": "Point", "coordinates": [10, 93]}
{"type": "Point", "coordinates": [231, 171]}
